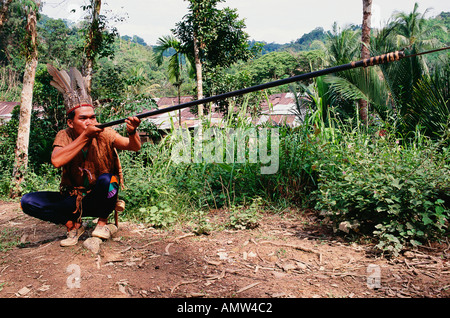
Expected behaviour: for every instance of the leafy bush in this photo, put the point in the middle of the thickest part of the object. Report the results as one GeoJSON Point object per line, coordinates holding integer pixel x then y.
{"type": "Point", "coordinates": [242, 217]}
{"type": "Point", "coordinates": [5, 183]}
{"type": "Point", "coordinates": [46, 179]}
{"type": "Point", "coordinates": [159, 215]}
{"type": "Point", "coordinates": [393, 189]}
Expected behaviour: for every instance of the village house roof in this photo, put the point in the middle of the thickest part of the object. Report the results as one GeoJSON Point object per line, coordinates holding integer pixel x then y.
{"type": "Point", "coordinates": [6, 109]}
{"type": "Point", "coordinates": [280, 109]}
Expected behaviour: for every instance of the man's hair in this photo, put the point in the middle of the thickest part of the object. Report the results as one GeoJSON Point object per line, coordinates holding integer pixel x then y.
{"type": "Point", "coordinates": [71, 115]}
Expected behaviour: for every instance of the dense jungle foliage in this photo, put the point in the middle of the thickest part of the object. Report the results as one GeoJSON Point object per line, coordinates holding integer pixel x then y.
{"type": "Point", "coordinates": [388, 178]}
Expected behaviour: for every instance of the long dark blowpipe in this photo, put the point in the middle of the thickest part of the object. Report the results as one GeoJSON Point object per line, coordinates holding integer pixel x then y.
{"type": "Point", "coordinates": [376, 60]}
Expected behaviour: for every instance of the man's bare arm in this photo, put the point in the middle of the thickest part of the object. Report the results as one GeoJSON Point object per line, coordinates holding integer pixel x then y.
{"type": "Point", "coordinates": [63, 155]}
{"type": "Point", "coordinates": [133, 141]}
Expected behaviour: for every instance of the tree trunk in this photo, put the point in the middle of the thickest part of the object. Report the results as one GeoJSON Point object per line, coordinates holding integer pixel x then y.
{"type": "Point", "coordinates": [88, 70]}
{"type": "Point", "coordinates": [26, 104]}
{"type": "Point", "coordinates": [365, 53]}
{"type": "Point", "coordinates": [366, 25]}
{"type": "Point", "coordinates": [198, 68]}
{"type": "Point", "coordinates": [179, 102]}
{"type": "Point", "coordinates": [4, 12]}
{"type": "Point", "coordinates": [91, 45]}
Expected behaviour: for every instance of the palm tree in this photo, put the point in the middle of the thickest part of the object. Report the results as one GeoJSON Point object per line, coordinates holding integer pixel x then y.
{"type": "Point", "coordinates": [430, 106]}
{"type": "Point", "coordinates": [343, 46]}
{"type": "Point", "coordinates": [347, 88]}
{"type": "Point", "coordinates": [138, 83]}
{"type": "Point", "coordinates": [412, 29]}
{"type": "Point", "coordinates": [175, 68]}
{"type": "Point", "coordinates": [409, 78]}
{"type": "Point", "coordinates": [403, 91]}
{"type": "Point", "coordinates": [365, 53]}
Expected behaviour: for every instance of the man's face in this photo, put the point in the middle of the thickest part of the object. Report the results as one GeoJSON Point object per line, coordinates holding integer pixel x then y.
{"type": "Point", "coordinates": [84, 116]}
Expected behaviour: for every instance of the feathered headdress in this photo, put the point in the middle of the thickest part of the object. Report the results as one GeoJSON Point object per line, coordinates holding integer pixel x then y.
{"type": "Point", "coordinates": [73, 87]}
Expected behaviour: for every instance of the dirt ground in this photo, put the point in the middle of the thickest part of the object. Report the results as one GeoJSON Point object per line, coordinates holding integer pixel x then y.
{"type": "Point", "coordinates": [287, 256]}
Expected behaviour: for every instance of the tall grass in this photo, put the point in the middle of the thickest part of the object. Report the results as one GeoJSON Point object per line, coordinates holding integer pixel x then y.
{"type": "Point", "coordinates": [153, 177]}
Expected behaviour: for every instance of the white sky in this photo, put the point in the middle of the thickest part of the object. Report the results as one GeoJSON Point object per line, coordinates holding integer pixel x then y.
{"type": "Point", "coordinates": [279, 21]}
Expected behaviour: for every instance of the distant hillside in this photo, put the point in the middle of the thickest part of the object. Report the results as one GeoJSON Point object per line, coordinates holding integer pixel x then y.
{"type": "Point", "coordinates": [310, 41]}
{"type": "Point", "coordinates": [304, 43]}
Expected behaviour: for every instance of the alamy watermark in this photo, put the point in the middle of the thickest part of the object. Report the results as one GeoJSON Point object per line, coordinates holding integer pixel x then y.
{"type": "Point", "coordinates": [373, 276]}
{"type": "Point", "coordinates": [228, 145]}
{"type": "Point", "coordinates": [74, 279]}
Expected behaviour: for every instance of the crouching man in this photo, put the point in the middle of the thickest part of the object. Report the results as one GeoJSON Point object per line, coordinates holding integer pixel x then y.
{"type": "Point", "coordinates": [91, 170]}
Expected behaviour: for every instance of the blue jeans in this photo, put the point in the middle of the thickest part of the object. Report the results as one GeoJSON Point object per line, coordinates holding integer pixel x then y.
{"type": "Point", "coordinates": [57, 208]}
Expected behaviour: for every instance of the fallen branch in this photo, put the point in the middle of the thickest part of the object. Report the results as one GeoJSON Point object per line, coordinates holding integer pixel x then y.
{"type": "Point", "coordinates": [167, 249]}
{"type": "Point", "coordinates": [126, 249]}
{"type": "Point", "coordinates": [257, 268]}
{"type": "Point", "coordinates": [247, 287]}
{"type": "Point", "coordinates": [149, 243]}
{"type": "Point", "coordinates": [345, 274]}
{"type": "Point", "coordinates": [183, 236]}
{"type": "Point", "coordinates": [210, 278]}
{"type": "Point", "coordinates": [4, 269]}
{"type": "Point", "coordinates": [220, 276]}
{"type": "Point", "coordinates": [297, 247]}
{"type": "Point", "coordinates": [184, 283]}
{"type": "Point", "coordinates": [212, 262]}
